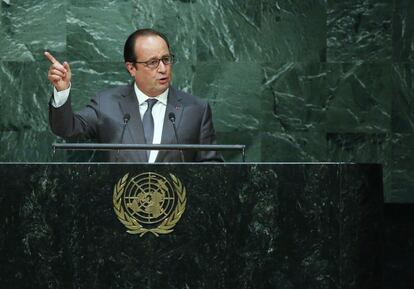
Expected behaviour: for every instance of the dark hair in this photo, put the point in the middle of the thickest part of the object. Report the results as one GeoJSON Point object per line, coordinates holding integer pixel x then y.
{"type": "Point", "coordinates": [129, 48]}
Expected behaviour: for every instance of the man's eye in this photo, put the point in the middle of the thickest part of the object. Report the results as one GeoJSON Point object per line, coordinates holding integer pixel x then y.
{"type": "Point", "coordinates": [153, 62]}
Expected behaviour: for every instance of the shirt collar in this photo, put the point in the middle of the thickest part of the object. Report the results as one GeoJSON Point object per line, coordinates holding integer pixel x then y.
{"type": "Point", "coordinates": [142, 97]}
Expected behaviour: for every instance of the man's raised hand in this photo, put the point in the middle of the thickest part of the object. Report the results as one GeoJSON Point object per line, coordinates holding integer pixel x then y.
{"type": "Point", "coordinates": [59, 74]}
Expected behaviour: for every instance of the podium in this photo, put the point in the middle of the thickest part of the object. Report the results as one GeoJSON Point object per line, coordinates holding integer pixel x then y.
{"type": "Point", "coordinates": [242, 225]}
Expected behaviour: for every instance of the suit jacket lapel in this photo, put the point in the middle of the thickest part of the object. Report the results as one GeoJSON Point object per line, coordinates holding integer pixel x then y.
{"type": "Point", "coordinates": [129, 105]}
{"type": "Point", "coordinates": [175, 106]}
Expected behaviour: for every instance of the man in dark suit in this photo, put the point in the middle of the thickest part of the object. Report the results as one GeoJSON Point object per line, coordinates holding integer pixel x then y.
{"type": "Point", "coordinates": [138, 113]}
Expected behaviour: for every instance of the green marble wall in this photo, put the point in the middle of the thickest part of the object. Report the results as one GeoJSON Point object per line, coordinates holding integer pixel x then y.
{"type": "Point", "coordinates": [293, 80]}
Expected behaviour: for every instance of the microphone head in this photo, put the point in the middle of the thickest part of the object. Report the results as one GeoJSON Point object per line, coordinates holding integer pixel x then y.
{"type": "Point", "coordinates": [171, 116]}
{"type": "Point", "coordinates": [127, 117]}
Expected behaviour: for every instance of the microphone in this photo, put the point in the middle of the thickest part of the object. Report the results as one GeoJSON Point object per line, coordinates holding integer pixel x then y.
{"type": "Point", "coordinates": [171, 116]}
{"type": "Point", "coordinates": [127, 117]}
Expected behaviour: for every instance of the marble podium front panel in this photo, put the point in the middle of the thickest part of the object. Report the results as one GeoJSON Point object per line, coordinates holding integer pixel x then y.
{"type": "Point", "coordinates": [244, 226]}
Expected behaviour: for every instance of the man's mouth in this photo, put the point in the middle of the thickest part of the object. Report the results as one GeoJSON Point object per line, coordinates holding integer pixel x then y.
{"type": "Point", "coordinates": [163, 80]}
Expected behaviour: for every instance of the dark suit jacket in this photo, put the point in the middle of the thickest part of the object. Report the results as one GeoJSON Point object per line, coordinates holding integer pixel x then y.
{"type": "Point", "coordinates": [102, 120]}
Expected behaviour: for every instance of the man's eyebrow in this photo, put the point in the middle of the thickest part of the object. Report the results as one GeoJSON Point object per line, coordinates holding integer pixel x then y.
{"type": "Point", "coordinates": [155, 57]}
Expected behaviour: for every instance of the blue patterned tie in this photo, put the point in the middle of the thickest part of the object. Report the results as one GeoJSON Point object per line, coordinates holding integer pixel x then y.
{"type": "Point", "coordinates": [148, 122]}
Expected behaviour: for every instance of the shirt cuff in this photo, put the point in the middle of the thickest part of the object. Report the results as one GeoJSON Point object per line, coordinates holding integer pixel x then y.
{"type": "Point", "coordinates": [60, 97]}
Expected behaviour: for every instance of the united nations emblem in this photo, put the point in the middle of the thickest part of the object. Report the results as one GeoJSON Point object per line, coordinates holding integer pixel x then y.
{"type": "Point", "coordinates": [149, 202]}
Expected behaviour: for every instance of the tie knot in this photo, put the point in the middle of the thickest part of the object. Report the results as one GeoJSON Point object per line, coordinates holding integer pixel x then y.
{"type": "Point", "coordinates": [151, 102]}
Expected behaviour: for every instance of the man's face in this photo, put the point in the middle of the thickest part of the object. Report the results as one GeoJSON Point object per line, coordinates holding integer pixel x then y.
{"type": "Point", "coordinates": [151, 81]}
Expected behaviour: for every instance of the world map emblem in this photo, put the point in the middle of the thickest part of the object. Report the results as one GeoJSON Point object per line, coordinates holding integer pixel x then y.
{"type": "Point", "coordinates": [149, 203]}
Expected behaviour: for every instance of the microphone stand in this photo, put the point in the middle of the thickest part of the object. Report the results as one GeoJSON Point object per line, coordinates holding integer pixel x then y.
{"type": "Point", "coordinates": [171, 116]}
{"type": "Point", "coordinates": [127, 117]}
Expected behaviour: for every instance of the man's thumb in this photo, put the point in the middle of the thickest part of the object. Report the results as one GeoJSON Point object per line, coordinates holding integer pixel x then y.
{"type": "Point", "coordinates": [66, 66]}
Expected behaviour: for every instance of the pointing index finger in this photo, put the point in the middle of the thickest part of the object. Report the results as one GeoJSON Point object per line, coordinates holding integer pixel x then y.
{"type": "Point", "coordinates": [51, 58]}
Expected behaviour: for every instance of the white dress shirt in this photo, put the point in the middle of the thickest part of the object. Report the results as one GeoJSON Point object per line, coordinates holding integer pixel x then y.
{"type": "Point", "coordinates": [158, 111]}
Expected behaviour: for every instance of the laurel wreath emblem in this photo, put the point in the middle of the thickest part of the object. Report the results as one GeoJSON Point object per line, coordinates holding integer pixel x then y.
{"type": "Point", "coordinates": [133, 226]}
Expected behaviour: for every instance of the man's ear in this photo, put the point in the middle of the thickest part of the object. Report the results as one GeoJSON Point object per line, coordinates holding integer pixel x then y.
{"type": "Point", "coordinates": [130, 67]}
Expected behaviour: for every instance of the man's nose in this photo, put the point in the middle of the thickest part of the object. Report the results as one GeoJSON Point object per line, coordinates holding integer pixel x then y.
{"type": "Point", "coordinates": [162, 67]}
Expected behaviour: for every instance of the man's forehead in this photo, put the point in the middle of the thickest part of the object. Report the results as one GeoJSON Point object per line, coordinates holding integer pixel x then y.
{"type": "Point", "coordinates": [150, 43]}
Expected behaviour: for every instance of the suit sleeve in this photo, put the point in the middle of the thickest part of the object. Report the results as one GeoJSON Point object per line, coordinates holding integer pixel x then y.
{"type": "Point", "coordinates": [208, 136]}
{"type": "Point", "coordinates": [67, 124]}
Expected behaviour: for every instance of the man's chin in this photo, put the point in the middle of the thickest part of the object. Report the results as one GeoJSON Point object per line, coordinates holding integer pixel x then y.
{"type": "Point", "coordinates": [160, 88]}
